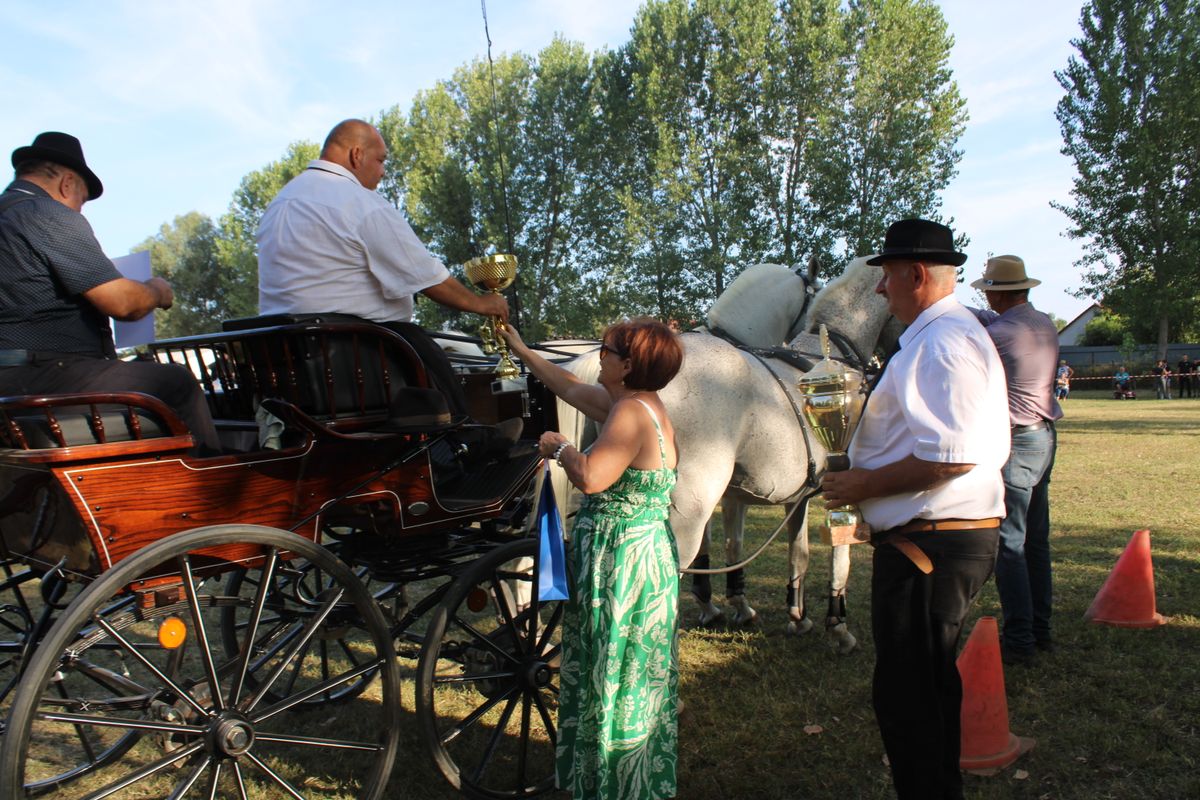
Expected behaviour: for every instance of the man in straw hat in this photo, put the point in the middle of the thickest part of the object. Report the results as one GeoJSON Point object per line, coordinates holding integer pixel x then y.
{"type": "Point", "coordinates": [59, 290]}
{"type": "Point", "coordinates": [1027, 341]}
{"type": "Point", "coordinates": [926, 476]}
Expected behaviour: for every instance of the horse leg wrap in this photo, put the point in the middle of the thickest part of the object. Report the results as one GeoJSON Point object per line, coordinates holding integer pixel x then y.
{"type": "Point", "coordinates": [702, 584]}
{"type": "Point", "coordinates": [735, 583]}
{"type": "Point", "coordinates": [837, 611]}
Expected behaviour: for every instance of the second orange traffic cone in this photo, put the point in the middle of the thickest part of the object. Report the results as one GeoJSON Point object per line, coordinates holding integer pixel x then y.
{"type": "Point", "coordinates": [987, 743]}
{"type": "Point", "coordinates": [1126, 599]}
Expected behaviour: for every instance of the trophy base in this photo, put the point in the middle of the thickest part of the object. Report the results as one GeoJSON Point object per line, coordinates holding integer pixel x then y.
{"type": "Point", "coordinates": [836, 535]}
{"type": "Point", "coordinates": [507, 370]}
{"type": "Point", "coordinates": [506, 385]}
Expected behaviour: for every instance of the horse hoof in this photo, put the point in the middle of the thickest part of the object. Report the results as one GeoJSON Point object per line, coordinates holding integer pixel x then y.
{"type": "Point", "coordinates": [841, 640]}
{"type": "Point", "coordinates": [799, 627]}
{"type": "Point", "coordinates": [745, 622]}
{"type": "Point", "coordinates": [711, 620]}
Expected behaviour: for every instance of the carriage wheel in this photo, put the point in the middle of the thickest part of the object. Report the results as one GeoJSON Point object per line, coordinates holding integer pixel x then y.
{"type": "Point", "coordinates": [142, 668]}
{"type": "Point", "coordinates": [487, 680]}
{"type": "Point", "coordinates": [17, 615]}
{"type": "Point", "coordinates": [294, 591]}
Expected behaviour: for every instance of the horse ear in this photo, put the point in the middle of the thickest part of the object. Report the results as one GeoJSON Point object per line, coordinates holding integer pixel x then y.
{"type": "Point", "coordinates": [813, 268]}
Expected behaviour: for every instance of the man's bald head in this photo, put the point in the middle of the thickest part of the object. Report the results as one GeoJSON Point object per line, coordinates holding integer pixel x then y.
{"type": "Point", "coordinates": [357, 146]}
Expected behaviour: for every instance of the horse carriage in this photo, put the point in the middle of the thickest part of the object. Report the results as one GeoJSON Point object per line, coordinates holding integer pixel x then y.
{"type": "Point", "coordinates": [230, 626]}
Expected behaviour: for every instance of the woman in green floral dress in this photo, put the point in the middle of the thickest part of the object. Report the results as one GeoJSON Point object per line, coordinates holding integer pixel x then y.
{"type": "Point", "coordinates": [617, 731]}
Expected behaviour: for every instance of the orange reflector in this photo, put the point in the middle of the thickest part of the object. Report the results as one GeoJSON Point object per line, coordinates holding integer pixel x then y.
{"type": "Point", "coordinates": [172, 632]}
{"type": "Point", "coordinates": [477, 600]}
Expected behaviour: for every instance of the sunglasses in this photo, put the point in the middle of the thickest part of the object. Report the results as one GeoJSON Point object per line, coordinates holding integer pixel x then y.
{"type": "Point", "coordinates": [607, 348]}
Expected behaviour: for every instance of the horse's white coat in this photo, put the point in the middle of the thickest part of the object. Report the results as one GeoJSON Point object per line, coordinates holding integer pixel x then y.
{"type": "Point", "coordinates": [735, 427]}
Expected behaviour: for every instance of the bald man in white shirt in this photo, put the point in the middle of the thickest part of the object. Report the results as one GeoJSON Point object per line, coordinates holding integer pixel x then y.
{"type": "Point", "coordinates": [329, 243]}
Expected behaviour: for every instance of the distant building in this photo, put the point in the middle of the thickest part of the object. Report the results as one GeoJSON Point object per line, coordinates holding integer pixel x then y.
{"type": "Point", "coordinates": [1072, 332]}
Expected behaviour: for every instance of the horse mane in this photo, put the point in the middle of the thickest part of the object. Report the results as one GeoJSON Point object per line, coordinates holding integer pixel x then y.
{"type": "Point", "coordinates": [760, 306]}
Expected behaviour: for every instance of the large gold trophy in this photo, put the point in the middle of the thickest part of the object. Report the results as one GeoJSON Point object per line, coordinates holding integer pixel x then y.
{"type": "Point", "coordinates": [494, 274]}
{"type": "Point", "coordinates": [833, 403]}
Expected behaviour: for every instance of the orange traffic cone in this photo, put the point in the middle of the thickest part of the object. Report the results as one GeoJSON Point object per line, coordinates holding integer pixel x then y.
{"type": "Point", "coordinates": [987, 743]}
{"type": "Point", "coordinates": [1127, 598]}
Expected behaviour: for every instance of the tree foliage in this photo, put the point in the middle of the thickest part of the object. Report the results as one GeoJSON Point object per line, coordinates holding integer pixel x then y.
{"type": "Point", "coordinates": [1104, 330]}
{"type": "Point", "coordinates": [642, 180]}
{"type": "Point", "coordinates": [1131, 121]}
{"type": "Point", "coordinates": [184, 252]}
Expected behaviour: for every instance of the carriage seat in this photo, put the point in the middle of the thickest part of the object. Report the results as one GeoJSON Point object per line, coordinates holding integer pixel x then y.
{"type": "Point", "coordinates": [432, 358]}
{"type": "Point", "coordinates": [416, 404]}
{"type": "Point", "coordinates": [62, 421]}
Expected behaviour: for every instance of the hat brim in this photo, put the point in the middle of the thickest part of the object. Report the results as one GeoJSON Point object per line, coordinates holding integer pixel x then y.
{"type": "Point", "coordinates": [983, 285]}
{"type": "Point", "coordinates": [950, 257]}
{"type": "Point", "coordinates": [95, 187]}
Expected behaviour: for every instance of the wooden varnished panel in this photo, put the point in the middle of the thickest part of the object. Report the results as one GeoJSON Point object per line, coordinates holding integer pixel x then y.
{"type": "Point", "coordinates": [128, 505]}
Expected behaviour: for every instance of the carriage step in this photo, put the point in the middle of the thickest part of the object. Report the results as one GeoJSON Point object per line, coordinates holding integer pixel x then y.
{"type": "Point", "coordinates": [491, 481]}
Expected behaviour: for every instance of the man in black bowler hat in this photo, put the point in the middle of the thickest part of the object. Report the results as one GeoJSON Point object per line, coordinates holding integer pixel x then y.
{"type": "Point", "coordinates": [926, 475]}
{"type": "Point", "coordinates": [58, 291]}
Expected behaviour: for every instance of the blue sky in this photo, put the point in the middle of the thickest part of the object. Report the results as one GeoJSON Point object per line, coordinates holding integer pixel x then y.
{"type": "Point", "coordinates": [176, 100]}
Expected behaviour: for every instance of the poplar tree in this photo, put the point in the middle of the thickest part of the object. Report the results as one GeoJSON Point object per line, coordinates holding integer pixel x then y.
{"type": "Point", "coordinates": [1130, 119]}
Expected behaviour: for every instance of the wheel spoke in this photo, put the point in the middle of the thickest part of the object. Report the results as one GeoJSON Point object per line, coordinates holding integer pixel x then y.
{"type": "Point", "coordinates": [182, 789]}
{"type": "Point", "coordinates": [206, 656]}
{"type": "Point", "coordinates": [80, 732]}
{"type": "Point", "coordinates": [314, 741]}
{"type": "Point", "coordinates": [283, 784]}
{"type": "Point", "coordinates": [452, 733]}
{"type": "Point", "coordinates": [256, 612]}
{"type": "Point", "coordinates": [158, 673]}
{"type": "Point", "coordinates": [214, 780]}
{"type": "Point", "coordinates": [494, 739]}
{"type": "Point", "coordinates": [544, 713]}
{"type": "Point", "coordinates": [523, 753]}
{"type": "Point", "coordinates": [550, 627]}
{"type": "Point", "coordinates": [313, 691]}
{"type": "Point", "coordinates": [240, 779]}
{"type": "Point", "coordinates": [510, 620]}
{"type": "Point", "coordinates": [483, 639]}
{"type": "Point", "coordinates": [124, 723]}
{"type": "Point", "coordinates": [310, 628]}
{"type": "Point", "coordinates": [145, 772]}
{"type": "Point", "coordinates": [474, 677]}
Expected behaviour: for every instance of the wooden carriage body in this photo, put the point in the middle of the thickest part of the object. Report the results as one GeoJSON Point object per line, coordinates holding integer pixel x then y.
{"type": "Point", "coordinates": [88, 480]}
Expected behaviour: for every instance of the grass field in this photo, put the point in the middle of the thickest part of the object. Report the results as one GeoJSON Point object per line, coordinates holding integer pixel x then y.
{"type": "Point", "coordinates": [1115, 712]}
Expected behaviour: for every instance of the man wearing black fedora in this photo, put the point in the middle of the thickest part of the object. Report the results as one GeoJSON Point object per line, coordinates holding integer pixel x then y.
{"type": "Point", "coordinates": [1027, 341]}
{"type": "Point", "coordinates": [59, 290]}
{"type": "Point", "coordinates": [925, 473]}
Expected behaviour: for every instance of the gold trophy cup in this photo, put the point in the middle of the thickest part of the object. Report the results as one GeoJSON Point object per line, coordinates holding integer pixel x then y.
{"type": "Point", "coordinates": [494, 274]}
{"type": "Point", "coordinates": [833, 404]}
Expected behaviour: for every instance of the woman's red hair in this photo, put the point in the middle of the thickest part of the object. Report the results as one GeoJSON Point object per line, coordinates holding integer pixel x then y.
{"type": "Point", "coordinates": [652, 348]}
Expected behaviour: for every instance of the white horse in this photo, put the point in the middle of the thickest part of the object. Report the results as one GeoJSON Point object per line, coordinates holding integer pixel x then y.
{"type": "Point", "coordinates": [737, 427]}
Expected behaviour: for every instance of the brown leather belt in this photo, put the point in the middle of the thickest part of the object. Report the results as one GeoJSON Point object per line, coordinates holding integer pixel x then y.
{"type": "Point", "coordinates": [928, 525]}
{"type": "Point", "coordinates": [916, 555]}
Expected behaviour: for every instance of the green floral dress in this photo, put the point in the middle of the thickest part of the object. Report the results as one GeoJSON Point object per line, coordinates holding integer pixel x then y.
{"type": "Point", "coordinates": [617, 730]}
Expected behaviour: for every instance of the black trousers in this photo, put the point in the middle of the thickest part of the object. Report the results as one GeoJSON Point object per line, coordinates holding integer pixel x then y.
{"type": "Point", "coordinates": [173, 384]}
{"type": "Point", "coordinates": [916, 622]}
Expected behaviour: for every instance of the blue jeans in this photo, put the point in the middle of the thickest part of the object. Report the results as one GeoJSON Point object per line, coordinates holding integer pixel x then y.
{"type": "Point", "coordinates": [1023, 562]}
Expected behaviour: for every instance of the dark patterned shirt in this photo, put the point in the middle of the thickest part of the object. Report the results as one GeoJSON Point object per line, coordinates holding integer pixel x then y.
{"type": "Point", "coordinates": [48, 258]}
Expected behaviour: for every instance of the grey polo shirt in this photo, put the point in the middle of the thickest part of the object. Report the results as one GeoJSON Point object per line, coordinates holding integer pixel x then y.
{"type": "Point", "coordinates": [1028, 345]}
{"type": "Point", "coordinates": [48, 258]}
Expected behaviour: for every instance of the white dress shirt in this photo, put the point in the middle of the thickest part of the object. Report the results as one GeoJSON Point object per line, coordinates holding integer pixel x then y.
{"type": "Point", "coordinates": [942, 398]}
{"type": "Point", "coordinates": [328, 244]}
